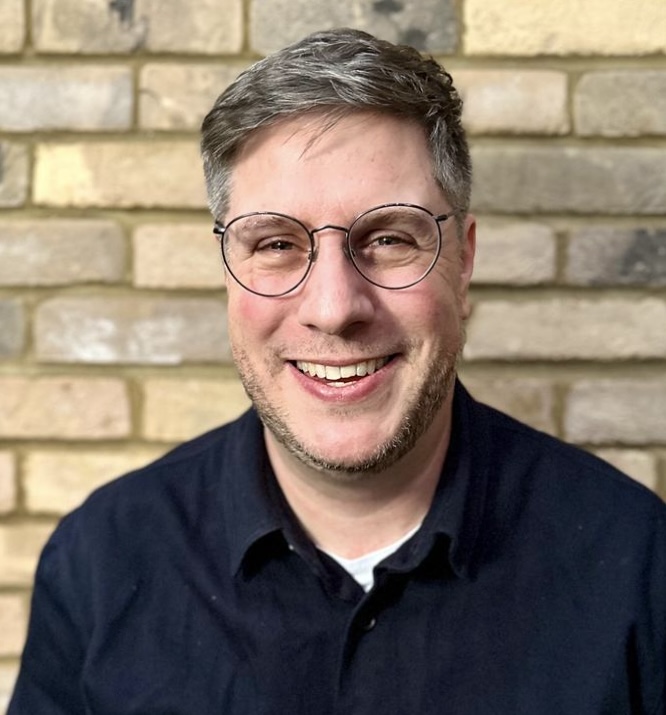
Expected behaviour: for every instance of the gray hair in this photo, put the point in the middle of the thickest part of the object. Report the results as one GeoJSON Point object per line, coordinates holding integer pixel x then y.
{"type": "Point", "coordinates": [335, 73]}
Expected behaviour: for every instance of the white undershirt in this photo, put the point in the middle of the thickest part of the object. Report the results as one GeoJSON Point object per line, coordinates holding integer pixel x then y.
{"type": "Point", "coordinates": [362, 568]}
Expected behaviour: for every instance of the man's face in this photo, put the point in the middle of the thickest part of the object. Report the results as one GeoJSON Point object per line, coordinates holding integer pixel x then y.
{"type": "Point", "coordinates": [406, 341]}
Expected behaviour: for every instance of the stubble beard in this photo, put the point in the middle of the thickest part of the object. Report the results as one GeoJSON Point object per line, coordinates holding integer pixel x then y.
{"type": "Point", "coordinates": [422, 406]}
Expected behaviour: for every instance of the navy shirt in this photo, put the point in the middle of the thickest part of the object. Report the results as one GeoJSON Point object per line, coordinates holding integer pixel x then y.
{"type": "Point", "coordinates": [535, 586]}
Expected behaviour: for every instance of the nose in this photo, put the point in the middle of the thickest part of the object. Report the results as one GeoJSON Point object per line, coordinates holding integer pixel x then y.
{"type": "Point", "coordinates": [335, 296]}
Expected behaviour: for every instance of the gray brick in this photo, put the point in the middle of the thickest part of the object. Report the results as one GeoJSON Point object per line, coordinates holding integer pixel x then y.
{"type": "Point", "coordinates": [615, 104]}
{"type": "Point", "coordinates": [615, 180]}
{"type": "Point", "coordinates": [12, 25]}
{"type": "Point", "coordinates": [13, 174]}
{"type": "Point", "coordinates": [178, 96]}
{"type": "Point", "coordinates": [519, 253]}
{"type": "Point", "coordinates": [12, 328]}
{"type": "Point", "coordinates": [205, 26]}
{"type": "Point", "coordinates": [513, 102]}
{"type": "Point", "coordinates": [140, 330]}
{"type": "Point", "coordinates": [429, 25]}
{"type": "Point", "coordinates": [60, 252]}
{"type": "Point", "coordinates": [609, 411]}
{"type": "Point", "coordinates": [603, 255]}
{"type": "Point", "coordinates": [65, 97]}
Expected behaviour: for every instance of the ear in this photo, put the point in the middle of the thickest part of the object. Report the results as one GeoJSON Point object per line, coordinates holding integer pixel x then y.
{"type": "Point", "coordinates": [467, 252]}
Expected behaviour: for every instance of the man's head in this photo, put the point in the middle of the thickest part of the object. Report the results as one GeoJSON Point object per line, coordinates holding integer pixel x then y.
{"type": "Point", "coordinates": [351, 367]}
{"type": "Point", "coordinates": [335, 73]}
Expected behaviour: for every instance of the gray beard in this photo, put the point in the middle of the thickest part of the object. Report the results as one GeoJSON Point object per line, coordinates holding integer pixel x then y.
{"type": "Point", "coordinates": [422, 407]}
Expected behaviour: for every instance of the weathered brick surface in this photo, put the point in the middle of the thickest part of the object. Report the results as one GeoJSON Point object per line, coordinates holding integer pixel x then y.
{"type": "Point", "coordinates": [60, 252]}
{"type": "Point", "coordinates": [175, 410]}
{"type": "Point", "coordinates": [614, 180]}
{"type": "Point", "coordinates": [163, 174]}
{"type": "Point", "coordinates": [12, 25]}
{"type": "Point", "coordinates": [8, 674]}
{"type": "Point", "coordinates": [13, 174]}
{"type": "Point", "coordinates": [518, 253]}
{"type": "Point", "coordinates": [513, 102]}
{"type": "Point", "coordinates": [12, 328]}
{"type": "Point", "coordinates": [177, 256]}
{"type": "Point", "coordinates": [606, 411]}
{"type": "Point", "coordinates": [497, 27]}
{"type": "Point", "coordinates": [7, 482]}
{"type": "Point", "coordinates": [604, 255]}
{"type": "Point", "coordinates": [527, 399]}
{"type": "Point", "coordinates": [566, 329]}
{"type": "Point", "coordinates": [616, 104]}
{"type": "Point", "coordinates": [639, 465]}
{"type": "Point", "coordinates": [161, 331]}
{"type": "Point", "coordinates": [63, 408]}
{"type": "Point", "coordinates": [56, 481]}
{"type": "Point", "coordinates": [13, 623]}
{"type": "Point", "coordinates": [65, 97]}
{"type": "Point", "coordinates": [20, 546]}
{"type": "Point", "coordinates": [178, 96]}
{"type": "Point", "coordinates": [206, 26]}
{"type": "Point", "coordinates": [429, 25]}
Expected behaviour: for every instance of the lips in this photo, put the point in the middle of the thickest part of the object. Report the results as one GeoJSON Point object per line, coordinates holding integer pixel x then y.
{"type": "Point", "coordinates": [341, 372]}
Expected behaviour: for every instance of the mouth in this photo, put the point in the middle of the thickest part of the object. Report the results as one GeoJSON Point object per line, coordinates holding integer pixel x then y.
{"type": "Point", "coordinates": [342, 374]}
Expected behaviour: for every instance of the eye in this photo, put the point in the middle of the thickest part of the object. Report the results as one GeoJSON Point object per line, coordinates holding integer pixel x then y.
{"type": "Point", "coordinates": [277, 245]}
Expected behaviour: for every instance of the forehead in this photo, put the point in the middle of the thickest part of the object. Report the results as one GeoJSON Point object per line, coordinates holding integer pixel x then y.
{"type": "Point", "coordinates": [310, 164]}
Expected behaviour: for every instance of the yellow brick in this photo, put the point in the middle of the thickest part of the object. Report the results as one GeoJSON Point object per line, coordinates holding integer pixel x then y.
{"type": "Point", "coordinates": [177, 256]}
{"type": "Point", "coordinates": [135, 174]}
{"type": "Point", "coordinates": [8, 674]}
{"type": "Point", "coordinates": [20, 546]}
{"type": "Point", "coordinates": [13, 623]}
{"type": "Point", "coordinates": [57, 481]}
{"type": "Point", "coordinates": [175, 410]}
{"type": "Point", "coordinates": [7, 482]}
{"type": "Point", "coordinates": [66, 408]}
{"type": "Point", "coordinates": [566, 27]}
{"type": "Point", "coordinates": [12, 25]}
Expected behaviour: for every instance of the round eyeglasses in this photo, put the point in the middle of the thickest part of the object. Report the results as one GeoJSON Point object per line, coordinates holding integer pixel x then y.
{"type": "Point", "coordinates": [393, 246]}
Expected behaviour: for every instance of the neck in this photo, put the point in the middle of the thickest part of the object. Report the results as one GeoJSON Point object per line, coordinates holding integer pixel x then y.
{"type": "Point", "coordinates": [351, 515]}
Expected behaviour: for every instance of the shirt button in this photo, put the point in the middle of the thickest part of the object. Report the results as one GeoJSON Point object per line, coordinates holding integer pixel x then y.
{"type": "Point", "coordinates": [369, 625]}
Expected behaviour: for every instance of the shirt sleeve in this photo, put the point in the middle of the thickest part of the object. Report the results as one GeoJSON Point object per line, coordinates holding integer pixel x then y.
{"type": "Point", "coordinates": [49, 679]}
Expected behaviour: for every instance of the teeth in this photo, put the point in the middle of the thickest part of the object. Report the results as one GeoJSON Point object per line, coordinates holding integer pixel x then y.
{"type": "Point", "coordinates": [337, 372]}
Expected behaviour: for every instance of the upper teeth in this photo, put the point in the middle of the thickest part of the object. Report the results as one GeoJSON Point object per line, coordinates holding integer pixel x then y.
{"type": "Point", "coordinates": [336, 372]}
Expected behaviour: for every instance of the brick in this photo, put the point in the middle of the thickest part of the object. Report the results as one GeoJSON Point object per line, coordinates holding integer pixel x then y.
{"type": "Point", "coordinates": [20, 546]}
{"type": "Point", "coordinates": [13, 623]}
{"type": "Point", "coordinates": [60, 252]}
{"type": "Point", "coordinates": [178, 96]}
{"type": "Point", "coordinates": [639, 465]}
{"type": "Point", "coordinates": [56, 482]}
{"type": "Point", "coordinates": [65, 97]}
{"type": "Point", "coordinates": [12, 26]}
{"type": "Point", "coordinates": [7, 482]}
{"type": "Point", "coordinates": [621, 104]}
{"type": "Point", "coordinates": [8, 675]}
{"type": "Point", "coordinates": [12, 328]}
{"type": "Point", "coordinates": [517, 253]}
{"type": "Point", "coordinates": [613, 180]}
{"type": "Point", "coordinates": [177, 256]}
{"type": "Point", "coordinates": [206, 26]}
{"type": "Point", "coordinates": [513, 102]}
{"type": "Point", "coordinates": [567, 329]}
{"type": "Point", "coordinates": [497, 27]}
{"type": "Point", "coordinates": [158, 331]}
{"type": "Point", "coordinates": [175, 410]}
{"type": "Point", "coordinates": [605, 411]}
{"type": "Point", "coordinates": [529, 400]}
{"type": "Point", "coordinates": [13, 174]}
{"type": "Point", "coordinates": [63, 408]}
{"type": "Point", "coordinates": [120, 175]}
{"type": "Point", "coordinates": [429, 25]}
{"type": "Point", "coordinates": [604, 255]}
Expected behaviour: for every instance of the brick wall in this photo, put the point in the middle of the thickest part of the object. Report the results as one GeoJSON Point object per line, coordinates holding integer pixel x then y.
{"type": "Point", "coordinates": [112, 338]}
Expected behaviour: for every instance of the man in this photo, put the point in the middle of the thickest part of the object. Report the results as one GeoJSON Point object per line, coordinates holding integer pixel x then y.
{"type": "Point", "coordinates": [367, 539]}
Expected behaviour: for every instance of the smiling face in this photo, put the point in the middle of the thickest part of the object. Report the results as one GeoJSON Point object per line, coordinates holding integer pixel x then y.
{"type": "Point", "coordinates": [348, 376]}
